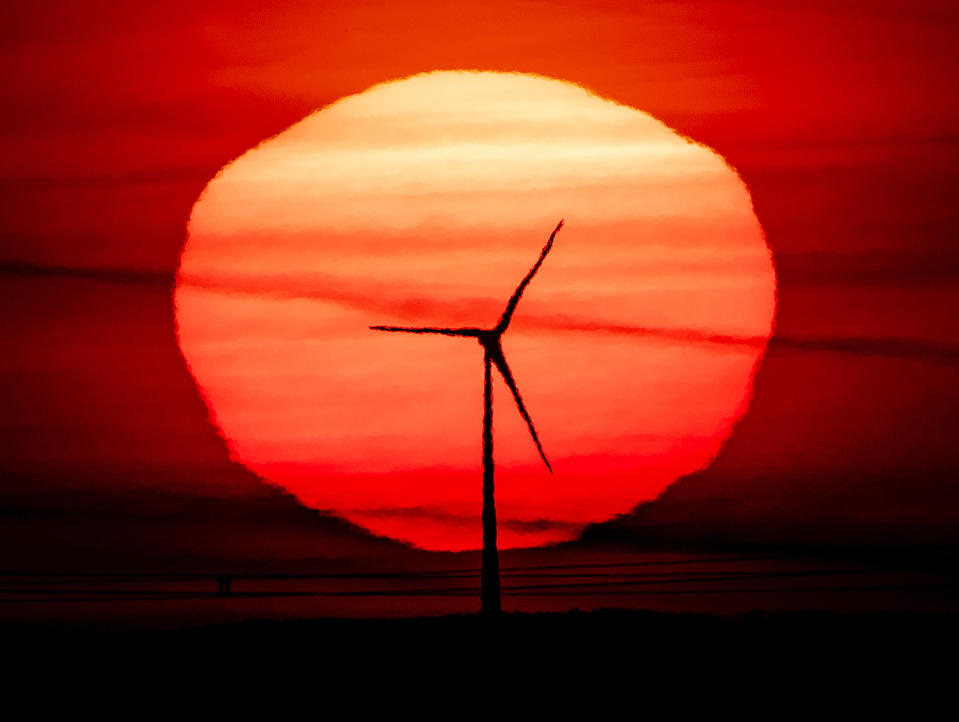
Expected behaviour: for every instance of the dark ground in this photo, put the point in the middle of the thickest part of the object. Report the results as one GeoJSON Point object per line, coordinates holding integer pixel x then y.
{"type": "Point", "coordinates": [630, 637]}
{"type": "Point", "coordinates": [858, 626]}
{"type": "Point", "coordinates": [591, 665]}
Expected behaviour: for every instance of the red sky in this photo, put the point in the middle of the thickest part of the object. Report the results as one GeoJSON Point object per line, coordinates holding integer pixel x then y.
{"type": "Point", "coordinates": [840, 119]}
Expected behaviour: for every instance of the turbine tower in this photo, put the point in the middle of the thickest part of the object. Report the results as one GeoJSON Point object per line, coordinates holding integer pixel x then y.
{"type": "Point", "coordinates": [489, 339]}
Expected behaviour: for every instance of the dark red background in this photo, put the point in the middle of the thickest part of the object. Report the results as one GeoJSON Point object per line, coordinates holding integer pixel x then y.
{"type": "Point", "coordinates": [841, 121]}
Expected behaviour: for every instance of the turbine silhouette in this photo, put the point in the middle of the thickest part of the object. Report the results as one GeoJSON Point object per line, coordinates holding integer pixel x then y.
{"type": "Point", "coordinates": [489, 339]}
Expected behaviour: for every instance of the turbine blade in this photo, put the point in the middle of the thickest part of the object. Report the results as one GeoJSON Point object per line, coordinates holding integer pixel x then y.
{"type": "Point", "coordinates": [500, 360]}
{"type": "Point", "coordinates": [443, 331]}
{"type": "Point", "coordinates": [518, 293]}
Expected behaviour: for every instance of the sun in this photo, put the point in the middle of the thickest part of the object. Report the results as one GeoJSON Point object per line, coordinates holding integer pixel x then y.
{"type": "Point", "coordinates": [421, 202]}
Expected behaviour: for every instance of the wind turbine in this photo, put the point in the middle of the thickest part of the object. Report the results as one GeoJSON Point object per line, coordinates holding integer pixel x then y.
{"type": "Point", "coordinates": [489, 339]}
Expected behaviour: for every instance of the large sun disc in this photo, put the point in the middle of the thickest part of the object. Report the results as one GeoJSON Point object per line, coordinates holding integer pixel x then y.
{"type": "Point", "coordinates": [423, 202]}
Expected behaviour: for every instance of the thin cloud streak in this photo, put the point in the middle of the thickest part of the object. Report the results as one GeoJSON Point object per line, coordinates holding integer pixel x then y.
{"type": "Point", "coordinates": [889, 347]}
{"type": "Point", "coordinates": [861, 346]}
{"type": "Point", "coordinates": [108, 275]}
{"type": "Point", "coordinates": [894, 347]}
{"type": "Point", "coordinates": [426, 513]}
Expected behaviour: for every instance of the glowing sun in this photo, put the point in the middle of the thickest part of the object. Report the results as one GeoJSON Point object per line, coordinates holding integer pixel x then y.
{"type": "Point", "coordinates": [423, 202]}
